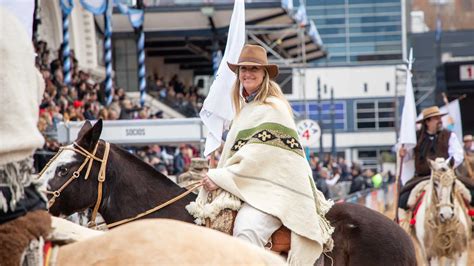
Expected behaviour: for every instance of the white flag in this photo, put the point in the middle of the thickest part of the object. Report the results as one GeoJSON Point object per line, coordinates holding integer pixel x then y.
{"type": "Point", "coordinates": [452, 121]}
{"type": "Point", "coordinates": [217, 108]}
{"type": "Point", "coordinates": [23, 10]}
{"type": "Point", "coordinates": [408, 128]}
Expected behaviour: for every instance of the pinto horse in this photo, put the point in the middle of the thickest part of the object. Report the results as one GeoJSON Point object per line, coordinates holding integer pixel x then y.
{"type": "Point", "coordinates": [92, 173]}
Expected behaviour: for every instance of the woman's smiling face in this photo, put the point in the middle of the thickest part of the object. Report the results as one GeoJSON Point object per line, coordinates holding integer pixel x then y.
{"type": "Point", "coordinates": [251, 77]}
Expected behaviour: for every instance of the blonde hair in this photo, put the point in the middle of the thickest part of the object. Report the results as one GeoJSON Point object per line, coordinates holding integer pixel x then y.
{"type": "Point", "coordinates": [267, 88]}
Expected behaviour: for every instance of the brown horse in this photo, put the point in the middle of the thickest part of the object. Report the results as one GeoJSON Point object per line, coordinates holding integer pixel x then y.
{"type": "Point", "coordinates": [119, 186]}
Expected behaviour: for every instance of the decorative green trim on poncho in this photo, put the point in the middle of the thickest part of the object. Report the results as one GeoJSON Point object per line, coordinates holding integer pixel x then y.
{"type": "Point", "coordinates": [272, 134]}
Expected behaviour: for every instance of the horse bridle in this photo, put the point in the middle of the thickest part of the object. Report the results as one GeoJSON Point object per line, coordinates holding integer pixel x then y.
{"type": "Point", "coordinates": [445, 179]}
{"type": "Point", "coordinates": [89, 158]}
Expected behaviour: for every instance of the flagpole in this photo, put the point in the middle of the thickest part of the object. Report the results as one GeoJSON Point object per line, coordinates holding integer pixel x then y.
{"type": "Point", "coordinates": [398, 185]}
{"type": "Point", "coordinates": [400, 171]}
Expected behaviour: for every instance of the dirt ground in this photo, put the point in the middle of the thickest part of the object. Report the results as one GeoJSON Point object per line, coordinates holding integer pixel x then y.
{"type": "Point", "coordinates": [391, 214]}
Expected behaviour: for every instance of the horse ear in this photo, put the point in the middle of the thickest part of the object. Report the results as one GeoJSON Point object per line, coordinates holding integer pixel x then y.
{"type": "Point", "coordinates": [86, 127]}
{"type": "Point", "coordinates": [431, 164]}
{"type": "Point", "coordinates": [451, 162]}
{"type": "Point", "coordinates": [91, 136]}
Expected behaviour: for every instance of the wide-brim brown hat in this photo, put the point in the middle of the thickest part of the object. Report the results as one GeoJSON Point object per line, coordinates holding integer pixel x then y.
{"type": "Point", "coordinates": [254, 55]}
{"type": "Point", "coordinates": [430, 112]}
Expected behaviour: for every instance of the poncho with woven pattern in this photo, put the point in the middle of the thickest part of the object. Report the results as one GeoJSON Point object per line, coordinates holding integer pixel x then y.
{"type": "Point", "coordinates": [263, 164]}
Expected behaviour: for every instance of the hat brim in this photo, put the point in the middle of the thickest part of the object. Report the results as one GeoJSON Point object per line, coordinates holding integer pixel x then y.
{"type": "Point", "coordinates": [432, 115]}
{"type": "Point", "coordinates": [271, 68]}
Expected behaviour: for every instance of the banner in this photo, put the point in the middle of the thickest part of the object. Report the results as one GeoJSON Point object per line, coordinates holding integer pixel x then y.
{"type": "Point", "coordinates": [452, 121]}
{"type": "Point", "coordinates": [23, 10]}
{"type": "Point", "coordinates": [408, 128]}
{"type": "Point", "coordinates": [135, 16]}
{"type": "Point", "coordinates": [217, 109]}
{"type": "Point", "coordinates": [96, 7]}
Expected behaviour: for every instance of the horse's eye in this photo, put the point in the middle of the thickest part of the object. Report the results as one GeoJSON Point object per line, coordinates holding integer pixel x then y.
{"type": "Point", "coordinates": [63, 171]}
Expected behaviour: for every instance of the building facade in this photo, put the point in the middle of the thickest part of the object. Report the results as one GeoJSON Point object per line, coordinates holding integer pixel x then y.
{"type": "Point", "coordinates": [359, 31]}
{"type": "Point", "coordinates": [365, 41]}
{"type": "Point", "coordinates": [367, 106]}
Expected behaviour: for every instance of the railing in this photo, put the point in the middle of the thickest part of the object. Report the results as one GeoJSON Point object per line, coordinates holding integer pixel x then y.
{"type": "Point", "coordinates": [381, 200]}
{"type": "Point", "coordinates": [155, 3]}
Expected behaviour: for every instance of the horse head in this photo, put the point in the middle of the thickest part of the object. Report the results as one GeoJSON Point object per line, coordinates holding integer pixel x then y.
{"type": "Point", "coordinates": [443, 183]}
{"type": "Point", "coordinates": [72, 173]}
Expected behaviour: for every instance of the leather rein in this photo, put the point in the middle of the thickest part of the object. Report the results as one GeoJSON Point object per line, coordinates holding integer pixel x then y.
{"type": "Point", "coordinates": [90, 158]}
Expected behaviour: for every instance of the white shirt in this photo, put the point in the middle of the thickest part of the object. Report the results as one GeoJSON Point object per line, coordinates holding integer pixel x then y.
{"type": "Point", "coordinates": [455, 150]}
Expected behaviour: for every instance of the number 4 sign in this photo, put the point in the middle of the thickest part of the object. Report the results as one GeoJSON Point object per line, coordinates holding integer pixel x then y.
{"type": "Point", "coordinates": [309, 132]}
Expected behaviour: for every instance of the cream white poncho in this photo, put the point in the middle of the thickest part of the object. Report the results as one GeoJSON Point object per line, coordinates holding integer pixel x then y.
{"type": "Point", "coordinates": [263, 164]}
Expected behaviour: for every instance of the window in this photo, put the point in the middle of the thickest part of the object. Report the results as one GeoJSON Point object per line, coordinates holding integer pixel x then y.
{"type": "Point", "coordinates": [377, 114]}
{"type": "Point", "coordinates": [313, 113]}
{"type": "Point", "coordinates": [330, 21]}
{"type": "Point", "coordinates": [332, 31]}
{"type": "Point", "coordinates": [372, 158]}
{"type": "Point", "coordinates": [125, 63]}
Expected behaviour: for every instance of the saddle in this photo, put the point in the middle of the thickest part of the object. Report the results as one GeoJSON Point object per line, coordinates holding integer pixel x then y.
{"type": "Point", "coordinates": [279, 242]}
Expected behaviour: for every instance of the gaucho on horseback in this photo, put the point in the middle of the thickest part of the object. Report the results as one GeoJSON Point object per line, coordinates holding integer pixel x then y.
{"type": "Point", "coordinates": [263, 172]}
{"type": "Point", "coordinates": [433, 141]}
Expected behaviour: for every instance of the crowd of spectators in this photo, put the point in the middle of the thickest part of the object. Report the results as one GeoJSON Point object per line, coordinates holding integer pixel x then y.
{"type": "Point", "coordinates": [84, 98]}
{"type": "Point", "coordinates": [186, 100]}
{"type": "Point", "coordinates": [335, 178]}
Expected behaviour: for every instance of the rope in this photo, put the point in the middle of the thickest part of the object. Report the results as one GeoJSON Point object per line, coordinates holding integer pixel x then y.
{"type": "Point", "coordinates": [154, 209]}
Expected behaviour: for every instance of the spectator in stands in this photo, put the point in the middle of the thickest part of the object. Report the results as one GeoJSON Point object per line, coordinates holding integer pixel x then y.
{"type": "Point", "coordinates": [103, 113]}
{"type": "Point", "coordinates": [88, 112]}
{"type": "Point", "coordinates": [359, 183]}
{"type": "Point", "coordinates": [120, 93]}
{"type": "Point", "coordinates": [345, 174]}
{"type": "Point", "coordinates": [375, 178]}
{"type": "Point", "coordinates": [334, 177]}
{"type": "Point", "coordinates": [113, 114]}
{"type": "Point", "coordinates": [72, 95]}
{"type": "Point", "coordinates": [390, 177]}
{"type": "Point", "coordinates": [320, 181]}
{"type": "Point", "coordinates": [179, 162]}
{"type": "Point", "coordinates": [128, 110]}
{"type": "Point", "coordinates": [157, 115]}
{"type": "Point", "coordinates": [144, 113]}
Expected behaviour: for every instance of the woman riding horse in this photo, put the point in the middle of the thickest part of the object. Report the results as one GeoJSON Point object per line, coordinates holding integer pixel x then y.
{"type": "Point", "coordinates": [264, 165]}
